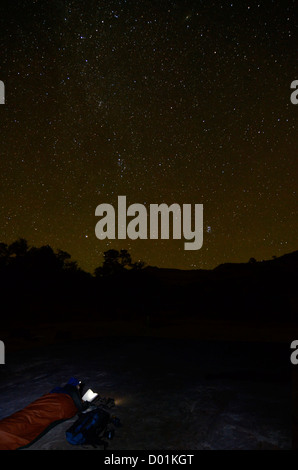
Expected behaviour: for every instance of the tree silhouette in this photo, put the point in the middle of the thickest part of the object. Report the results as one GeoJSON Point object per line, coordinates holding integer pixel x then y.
{"type": "Point", "coordinates": [18, 248]}
{"type": "Point", "coordinates": [4, 254]}
{"type": "Point", "coordinates": [125, 258]}
{"type": "Point", "coordinates": [116, 262]}
{"type": "Point", "coordinates": [65, 261]}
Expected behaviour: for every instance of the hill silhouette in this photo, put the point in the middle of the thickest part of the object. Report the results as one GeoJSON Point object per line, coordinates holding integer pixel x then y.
{"type": "Point", "coordinates": [39, 285]}
{"type": "Point", "coordinates": [262, 290]}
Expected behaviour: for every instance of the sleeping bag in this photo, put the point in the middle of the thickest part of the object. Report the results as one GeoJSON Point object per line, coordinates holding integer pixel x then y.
{"type": "Point", "coordinates": [25, 426]}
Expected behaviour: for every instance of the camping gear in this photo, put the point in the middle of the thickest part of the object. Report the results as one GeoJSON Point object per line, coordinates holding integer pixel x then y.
{"type": "Point", "coordinates": [94, 425]}
{"type": "Point", "coordinates": [90, 428]}
{"type": "Point", "coordinates": [24, 427]}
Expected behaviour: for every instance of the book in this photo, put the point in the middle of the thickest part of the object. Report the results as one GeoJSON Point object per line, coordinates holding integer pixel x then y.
{"type": "Point", "coordinates": [89, 395]}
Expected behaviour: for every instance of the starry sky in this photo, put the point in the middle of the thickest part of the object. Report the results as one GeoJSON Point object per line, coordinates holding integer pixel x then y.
{"type": "Point", "coordinates": [167, 101]}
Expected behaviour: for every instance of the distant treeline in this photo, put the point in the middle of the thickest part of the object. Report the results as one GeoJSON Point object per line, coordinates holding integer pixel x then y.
{"type": "Point", "coordinates": [43, 285]}
{"type": "Point", "coordinates": [40, 284]}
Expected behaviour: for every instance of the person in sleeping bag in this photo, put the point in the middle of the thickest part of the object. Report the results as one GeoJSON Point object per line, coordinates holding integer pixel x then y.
{"type": "Point", "coordinates": [24, 427]}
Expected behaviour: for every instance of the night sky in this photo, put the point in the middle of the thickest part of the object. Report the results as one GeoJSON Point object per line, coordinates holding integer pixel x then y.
{"type": "Point", "coordinates": [182, 102]}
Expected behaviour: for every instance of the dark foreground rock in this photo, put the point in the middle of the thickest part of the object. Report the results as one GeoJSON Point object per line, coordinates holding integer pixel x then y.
{"type": "Point", "coordinates": [170, 394]}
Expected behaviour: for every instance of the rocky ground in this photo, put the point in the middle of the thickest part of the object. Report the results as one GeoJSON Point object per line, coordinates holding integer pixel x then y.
{"type": "Point", "coordinates": [170, 394]}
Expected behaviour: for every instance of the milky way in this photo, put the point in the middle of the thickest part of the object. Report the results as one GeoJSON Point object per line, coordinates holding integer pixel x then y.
{"type": "Point", "coordinates": [182, 102]}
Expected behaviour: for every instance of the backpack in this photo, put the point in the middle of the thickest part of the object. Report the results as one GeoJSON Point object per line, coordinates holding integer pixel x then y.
{"type": "Point", "coordinates": [90, 428]}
